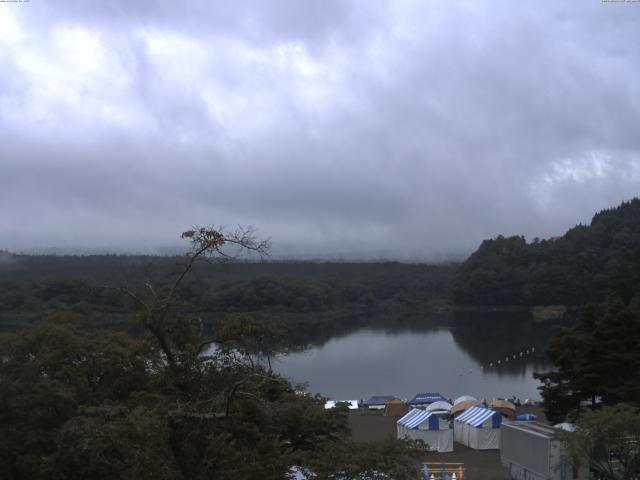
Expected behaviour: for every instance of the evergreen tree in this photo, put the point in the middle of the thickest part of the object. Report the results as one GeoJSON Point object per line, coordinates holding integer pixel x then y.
{"type": "Point", "coordinates": [597, 360]}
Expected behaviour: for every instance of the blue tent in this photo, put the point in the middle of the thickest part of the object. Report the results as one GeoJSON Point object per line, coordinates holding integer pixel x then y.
{"type": "Point", "coordinates": [426, 398]}
{"type": "Point", "coordinates": [527, 417]}
{"type": "Point", "coordinates": [379, 400]}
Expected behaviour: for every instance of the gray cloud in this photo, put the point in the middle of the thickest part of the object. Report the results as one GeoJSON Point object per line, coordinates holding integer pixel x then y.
{"type": "Point", "coordinates": [411, 130]}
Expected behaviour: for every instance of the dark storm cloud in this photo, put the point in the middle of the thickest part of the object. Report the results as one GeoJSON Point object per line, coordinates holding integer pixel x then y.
{"type": "Point", "coordinates": [412, 130]}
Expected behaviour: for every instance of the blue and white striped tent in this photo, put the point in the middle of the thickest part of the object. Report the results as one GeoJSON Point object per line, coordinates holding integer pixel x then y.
{"type": "Point", "coordinates": [433, 428]}
{"type": "Point", "coordinates": [478, 428]}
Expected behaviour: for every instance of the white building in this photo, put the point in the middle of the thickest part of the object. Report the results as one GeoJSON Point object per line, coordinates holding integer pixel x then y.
{"type": "Point", "coordinates": [531, 452]}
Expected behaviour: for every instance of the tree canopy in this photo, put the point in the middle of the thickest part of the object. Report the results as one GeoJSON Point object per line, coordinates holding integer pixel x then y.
{"type": "Point", "coordinates": [597, 360]}
{"type": "Point", "coordinates": [574, 269]}
{"type": "Point", "coordinates": [608, 439]}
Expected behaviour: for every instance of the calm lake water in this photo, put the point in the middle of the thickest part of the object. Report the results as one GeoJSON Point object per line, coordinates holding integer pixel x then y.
{"type": "Point", "coordinates": [438, 358]}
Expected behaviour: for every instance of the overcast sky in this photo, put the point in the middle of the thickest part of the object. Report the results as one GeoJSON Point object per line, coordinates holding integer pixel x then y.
{"type": "Point", "coordinates": [409, 129]}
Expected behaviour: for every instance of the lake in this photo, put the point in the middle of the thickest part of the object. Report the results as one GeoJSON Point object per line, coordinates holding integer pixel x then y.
{"type": "Point", "coordinates": [443, 357]}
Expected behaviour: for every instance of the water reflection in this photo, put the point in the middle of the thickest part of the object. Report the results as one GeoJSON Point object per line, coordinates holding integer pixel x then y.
{"type": "Point", "coordinates": [438, 354]}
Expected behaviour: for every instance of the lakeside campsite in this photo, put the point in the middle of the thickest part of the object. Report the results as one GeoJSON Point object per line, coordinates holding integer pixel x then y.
{"type": "Point", "coordinates": [319, 240]}
{"type": "Point", "coordinates": [466, 441]}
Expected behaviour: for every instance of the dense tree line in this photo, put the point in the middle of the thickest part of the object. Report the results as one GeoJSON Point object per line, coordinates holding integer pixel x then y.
{"type": "Point", "coordinates": [575, 269]}
{"type": "Point", "coordinates": [33, 286]}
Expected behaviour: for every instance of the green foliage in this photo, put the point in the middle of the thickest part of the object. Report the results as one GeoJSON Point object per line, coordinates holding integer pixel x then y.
{"type": "Point", "coordinates": [114, 440]}
{"type": "Point", "coordinates": [608, 438]}
{"type": "Point", "coordinates": [256, 338]}
{"type": "Point", "coordinates": [596, 360]}
{"type": "Point", "coordinates": [371, 461]}
{"type": "Point", "coordinates": [574, 269]}
{"type": "Point", "coordinates": [80, 404]}
{"type": "Point", "coordinates": [35, 286]}
{"type": "Point", "coordinates": [47, 374]}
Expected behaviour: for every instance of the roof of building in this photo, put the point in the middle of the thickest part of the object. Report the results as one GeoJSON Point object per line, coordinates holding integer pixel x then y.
{"type": "Point", "coordinates": [536, 428]}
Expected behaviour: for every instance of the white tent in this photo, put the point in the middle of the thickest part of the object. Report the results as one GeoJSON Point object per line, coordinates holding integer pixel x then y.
{"type": "Point", "coordinates": [463, 398]}
{"type": "Point", "coordinates": [430, 427]}
{"type": "Point", "coordinates": [569, 427]}
{"type": "Point", "coordinates": [478, 428]}
{"type": "Point", "coordinates": [439, 406]}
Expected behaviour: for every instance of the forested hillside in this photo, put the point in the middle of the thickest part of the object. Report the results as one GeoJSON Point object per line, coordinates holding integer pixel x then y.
{"type": "Point", "coordinates": [34, 287]}
{"type": "Point", "coordinates": [574, 269]}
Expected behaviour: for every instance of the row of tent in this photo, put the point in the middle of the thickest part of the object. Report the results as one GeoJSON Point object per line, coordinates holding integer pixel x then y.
{"type": "Point", "coordinates": [528, 449]}
{"type": "Point", "coordinates": [436, 402]}
{"type": "Point", "coordinates": [477, 428]}
{"type": "Point", "coordinates": [419, 399]}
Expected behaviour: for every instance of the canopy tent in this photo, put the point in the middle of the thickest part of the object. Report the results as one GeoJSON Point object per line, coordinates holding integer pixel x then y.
{"type": "Point", "coordinates": [351, 404]}
{"type": "Point", "coordinates": [460, 407]}
{"type": "Point", "coordinates": [395, 408]}
{"type": "Point", "coordinates": [569, 427]}
{"type": "Point", "coordinates": [526, 417]}
{"type": "Point", "coordinates": [430, 427]}
{"type": "Point", "coordinates": [425, 399]}
{"type": "Point", "coordinates": [378, 402]}
{"type": "Point", "coordinates": [478, 428]}
{"type": "Point", "coordinates": [463, 398]}
{"type": "Point", "coordinates": [439, 405]}
{"type": "Point", "coordinates": [505, 407]}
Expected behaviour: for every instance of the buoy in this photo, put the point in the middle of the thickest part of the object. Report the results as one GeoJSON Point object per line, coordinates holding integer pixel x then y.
{"type": "Point", "coordinates": [432, 477]}
{"type": "Point", "coordinates": [498, 362]}
{"type": "Point", "coordinates": [454, 476]}
{"type": "Point", "coordinates": [533, 349]}
{"type": "Point", "coordinates": [514, 357]}
{"type": "Point", "coordinates": [491, 364]}
{"type": "Point", "coordinates": [520, 353]}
